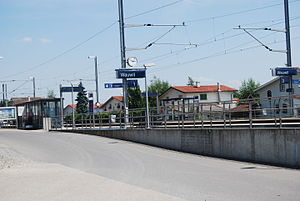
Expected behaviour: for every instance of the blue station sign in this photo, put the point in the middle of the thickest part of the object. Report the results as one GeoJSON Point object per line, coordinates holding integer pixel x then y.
{"type": "Point", "coordinates": [296, 81]}
{"type": "Point", "coordinates": [285, 71]}
{"type": "Point", "coordinates": [70, 89]}
{"type": "Point", "coordinates": [284, 80]}
{"type": "Point", "coordinates": [130, 73]}
{"type": "Point", "coordinates": [130, 83]}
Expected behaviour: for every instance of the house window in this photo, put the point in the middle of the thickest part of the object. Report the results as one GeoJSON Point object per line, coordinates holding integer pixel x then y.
{"type": "Point", "coordinates": [269, 94]}
{"type": "Point", "coordinates": [203, 96]}
{"type": "Point", "coordinates": [282, 88]}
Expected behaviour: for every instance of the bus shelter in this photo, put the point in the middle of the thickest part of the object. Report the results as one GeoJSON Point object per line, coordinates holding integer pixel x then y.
{"type": "Point", "coordinates": [30, 115]}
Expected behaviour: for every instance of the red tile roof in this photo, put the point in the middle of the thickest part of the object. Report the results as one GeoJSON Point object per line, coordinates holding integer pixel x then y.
{"type": "Point", "coordinates": [206, 88]}
{"type": "Point", "coordinates": [119, 98]}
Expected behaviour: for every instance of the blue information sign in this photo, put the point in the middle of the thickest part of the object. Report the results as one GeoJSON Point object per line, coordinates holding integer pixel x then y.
{"type": "Point", "coordinates": [69, 89]}
{"type": "Point", "coordinates": [284, 80]}
{"type": "Point", "coordinates": [285, 71]}
{"type": "Point", "coordinates": [130, 83]}
{"type": "Point", "coordinates": [130, 73]}
{"type": "Point", "coordinates": [296, 81]}
{"type": "Point", "coordinates": [150, 94]}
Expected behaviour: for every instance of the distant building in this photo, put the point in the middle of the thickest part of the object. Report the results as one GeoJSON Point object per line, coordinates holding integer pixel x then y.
{"type": "Point", "coordinates": [202, 94]}
{"type": "Point", "coordinates": [114, 103]}
{"type": "Point", "coordinates": [69, 109]}
{"type": "Point", "coordinates": [15, 101]}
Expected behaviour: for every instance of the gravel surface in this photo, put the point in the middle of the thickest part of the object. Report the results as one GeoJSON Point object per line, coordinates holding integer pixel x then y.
{"type": "Point", "coordinates": [10, 158]}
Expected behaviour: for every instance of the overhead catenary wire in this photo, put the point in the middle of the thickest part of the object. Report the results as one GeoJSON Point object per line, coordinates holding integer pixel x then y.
{"type": "Point", "coordinates": [88, 39]}
{"type": "Point", "coordinates": [237, 13]}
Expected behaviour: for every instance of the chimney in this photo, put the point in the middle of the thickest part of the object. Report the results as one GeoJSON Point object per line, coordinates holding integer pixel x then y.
{"type": "Point", "coordinates": [197, 84]}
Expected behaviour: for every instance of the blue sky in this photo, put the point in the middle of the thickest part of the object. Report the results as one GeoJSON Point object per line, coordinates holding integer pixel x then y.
{"type": "Point", "coordinates": [51, 39]}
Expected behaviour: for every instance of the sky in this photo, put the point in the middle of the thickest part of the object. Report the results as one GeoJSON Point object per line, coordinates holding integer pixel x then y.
{"type": "Point", "coordinates": [51, 40]}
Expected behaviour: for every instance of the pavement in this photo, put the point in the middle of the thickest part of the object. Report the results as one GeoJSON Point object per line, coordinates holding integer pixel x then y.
{"type": "Point", "coordinates": [37, 166]}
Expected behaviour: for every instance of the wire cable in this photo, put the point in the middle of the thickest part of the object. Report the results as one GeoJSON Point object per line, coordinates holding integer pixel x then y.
{"type": "Point", "coordinates": [237, 13]}
{"type": "Point", "coordinates": [154, 9]}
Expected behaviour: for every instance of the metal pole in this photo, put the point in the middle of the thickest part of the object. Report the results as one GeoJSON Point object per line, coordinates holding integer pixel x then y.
{"type": "Point", "coordinates": [3, 99]}
{"type": "Point", "coordinates": [96, 78]}
{"type": "Point", "coordinates": [288, 37]}
{"type": "Point", "coordinates": [61, 107]}
{"type": "Point", "coordinates": [147, 101]}
{"type": "Point", "coordinates": [288, 50]}
{"type": "Point", "coordinates": [33, 84]}
{"type": "Point", "coordinates": [123, 57]}
{"type": "Point", "coordinates": [73, 111]}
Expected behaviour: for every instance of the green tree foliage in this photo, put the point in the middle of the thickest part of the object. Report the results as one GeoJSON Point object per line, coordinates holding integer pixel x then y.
{"type": "Point", "coordinates": [191, 82]}
{"type": "Point", "coordinates": [158, 86]}
{"type": "Point", "coordinates": [51, 94]}
{"type": "Point", "coordinates": [2, 104]}
{"type": "Point", "coordinates": [135, 99]}
{"type": "Point", "coordinates": [247, 89]}
{"type": "Point", "coordinates": [82, 101]}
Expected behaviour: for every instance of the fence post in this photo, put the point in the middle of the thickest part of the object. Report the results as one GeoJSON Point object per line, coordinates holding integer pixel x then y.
{"type": "Point", "coordinates": [202, 123]}
{"type": "Point", "coordinates": [250, 114]}
{"type": "Point", "coordinates": [224, 115]}
{"type": "Point", "coordinates": [210, 117]}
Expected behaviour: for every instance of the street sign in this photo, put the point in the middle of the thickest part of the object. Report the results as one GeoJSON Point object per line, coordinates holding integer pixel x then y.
{"type": "Point", "coordinates": [296, 81]}
{"type": "Point", "coordinates": [69, 89]}
{"type": "Point", "coordinates": [130, 73]}
{"type": "Point", "coordinates": [284, 80]}
{"type": "Point", "coordinates": [150, 94]}
{"type": "Point", "coordinates": [285, 71]}
{"type": "Point", "coordinates": [130, 83]}
{"type": "Point", "coordinates": [113, 85]}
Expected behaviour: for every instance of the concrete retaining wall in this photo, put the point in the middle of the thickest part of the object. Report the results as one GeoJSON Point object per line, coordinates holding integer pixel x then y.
{"type": "Point", "coordinates": [269, 146]}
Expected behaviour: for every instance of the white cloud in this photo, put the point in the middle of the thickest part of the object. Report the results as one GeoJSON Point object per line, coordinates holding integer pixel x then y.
{"type": "Point", "coordinates": [26, 40]}
{"type": "Point", "coordinates": [45, 40]}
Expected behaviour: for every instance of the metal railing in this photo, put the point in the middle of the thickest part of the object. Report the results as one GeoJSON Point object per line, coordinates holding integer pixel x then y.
{"type": "Point", "coordinates": [255, 113]}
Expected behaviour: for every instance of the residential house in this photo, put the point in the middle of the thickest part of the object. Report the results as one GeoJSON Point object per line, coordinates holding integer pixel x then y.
{"type": "Point", "coordinates": [114, 103]}
{"type": "Point", "coordinates": [199, 98]}
{"type": "Point", "coordinates": [273, 94]}
{"type": "Point", "coordinates": [69, 109]}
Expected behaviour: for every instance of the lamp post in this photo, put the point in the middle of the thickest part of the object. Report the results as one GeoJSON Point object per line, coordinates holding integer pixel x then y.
{"type": "Point", "coordinates": [33, 86]}
{"type": "Point", "coordinates": [147, 96]}
{"type": "Point", "coordinates": [96, 77]}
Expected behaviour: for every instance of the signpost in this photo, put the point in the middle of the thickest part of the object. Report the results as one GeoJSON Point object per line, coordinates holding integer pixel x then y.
{"type": "Point", "coordinates": [296, 81]}
{"type": "Point", "coordinates": [71, 89]}
{"type": "Point", "coordinates": [285, 71]}
{"type": "Point", "coordinates": [284, 80]}
{"type": "Point", "coordinates": [130, 83]}
{"type": "Point", "coordinates": [121, 74]}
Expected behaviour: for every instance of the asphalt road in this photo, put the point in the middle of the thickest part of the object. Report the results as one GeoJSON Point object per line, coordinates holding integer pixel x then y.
{"type": "Point", "coordinates": [180, 175]}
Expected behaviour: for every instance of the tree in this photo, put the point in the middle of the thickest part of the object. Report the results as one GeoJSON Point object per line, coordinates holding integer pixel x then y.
{"type": "Point", "coordinates": [247, 89]}
{"type": "Point", "coordinates": [82, 101]}
{"type": "Point", "coordinates": [135, 99]}
{"type": "Point", "coordinates": [51, 94]}
{"type": "Point", "coordinates": [191, 82]}
{"type": "Point", "coordinates": [157, 86]}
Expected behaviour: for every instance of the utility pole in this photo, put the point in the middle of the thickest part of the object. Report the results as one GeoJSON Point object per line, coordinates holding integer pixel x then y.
{"type": "Point", "coordinates": [288, 50]}
{"type": "Point", "coordinates": [96, 76]}
{"type": "Point", "coordinates": [123, 57]}
{"type": "Point", "coordinates": [6, 99]}
{"type": "Point", "coordinates": [33, 86]}
{"type": "Point", "coordinates": [3, 91]}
